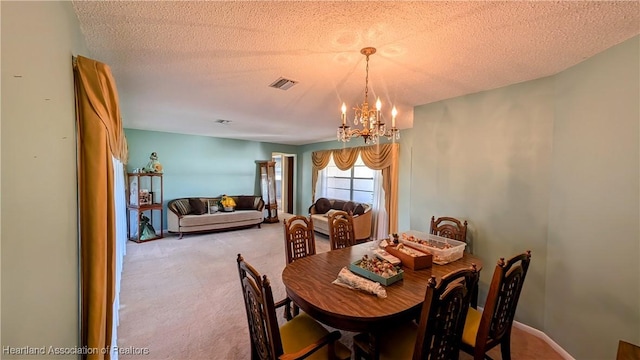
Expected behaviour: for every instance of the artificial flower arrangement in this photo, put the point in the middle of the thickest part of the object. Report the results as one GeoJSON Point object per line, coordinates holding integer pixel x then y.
{"type": "Point", "coordinates": [227, 203]}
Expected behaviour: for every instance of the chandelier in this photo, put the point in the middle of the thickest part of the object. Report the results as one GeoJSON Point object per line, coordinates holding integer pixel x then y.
{"type": "Point", "coordinates": [373, 125]}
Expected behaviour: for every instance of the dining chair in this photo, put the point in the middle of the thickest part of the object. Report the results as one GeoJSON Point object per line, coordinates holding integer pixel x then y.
{"type": "Point", "coordinates": [449, 227]}
{"type": "Point", "coordinates": [492, 327]}
{"type": "Point", "coordinates": [299, 241]}
{"type": "Point", "coordinates": [341, 231]}
{"type": "Point", "coordinates": [438, 332]}
{"type": "Point", "coordinates": [627, 351]}
{"type": "Point", "coordinates": [299, 238]}
{"type": "Point", "coordinates": [300, 337]}
{"type": "Point", "coordinates": [453, 228]}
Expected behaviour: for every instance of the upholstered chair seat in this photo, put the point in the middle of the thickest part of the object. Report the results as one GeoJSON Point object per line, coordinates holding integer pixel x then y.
{"type": "Point", "coordinates": [301, 331]}
{"type": "Point", "coordinates": [471, 325]}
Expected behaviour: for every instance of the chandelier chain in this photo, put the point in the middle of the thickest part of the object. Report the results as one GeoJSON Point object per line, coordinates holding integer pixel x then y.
{"type": "Point", "coordinates": [366, 82]}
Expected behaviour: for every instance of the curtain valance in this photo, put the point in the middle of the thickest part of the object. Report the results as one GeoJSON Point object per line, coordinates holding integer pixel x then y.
{"type": "Point", "coordinates": [375, 157]}
{"type": "Point", "coordinates": [96, 88]}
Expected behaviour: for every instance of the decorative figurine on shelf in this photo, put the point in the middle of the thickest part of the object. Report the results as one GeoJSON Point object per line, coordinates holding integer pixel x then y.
{"type": "Point", "coordinates": [146, 229]}
{"type": "Point", "coordinates": [153, 166]}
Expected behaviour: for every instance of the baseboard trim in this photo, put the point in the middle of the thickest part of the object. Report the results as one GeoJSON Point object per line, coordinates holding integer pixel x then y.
{"type": "Point", "coordinates": [541, 335]}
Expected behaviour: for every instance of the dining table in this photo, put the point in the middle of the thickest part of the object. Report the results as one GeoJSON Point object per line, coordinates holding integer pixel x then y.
{"type": "Point", "coordinates": [309, 284]}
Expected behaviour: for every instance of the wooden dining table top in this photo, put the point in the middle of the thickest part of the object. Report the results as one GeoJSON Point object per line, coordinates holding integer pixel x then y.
{"type": "Point", "coordinates": [308, 282]}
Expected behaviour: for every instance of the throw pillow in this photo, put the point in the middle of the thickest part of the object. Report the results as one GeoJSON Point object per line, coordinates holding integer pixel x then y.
{"type": "Point", "coordinates": [338, 204]}
{"type": "Point", "coordinates": [322, 205]}
{"type": "Point", "coordinates": [197, 206]}
{"type": "Point", "coordinates": [245, 203]}
{"type": "Point", "coordinates": [183, 206]}
{"type": "Point", "coordinates": [359, 210]}
{"type": "Point", "coordinates": [349, 206]}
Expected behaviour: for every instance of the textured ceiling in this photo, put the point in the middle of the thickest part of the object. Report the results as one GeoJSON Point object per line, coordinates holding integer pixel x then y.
{"type": "Point", "coordinates": [180, 66]}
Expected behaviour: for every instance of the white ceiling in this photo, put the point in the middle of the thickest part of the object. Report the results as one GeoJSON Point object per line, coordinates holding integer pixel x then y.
{"type": "Point", "coordinates": [180, 66]}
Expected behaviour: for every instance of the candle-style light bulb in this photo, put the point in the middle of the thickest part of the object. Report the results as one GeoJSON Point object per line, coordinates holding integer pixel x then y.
{"type": "Point", "coordinates": [344, 113]}
{"type": "Point", "coordinates": [378, 104]}
{"type": "Point", "coordinates": [394, 112]}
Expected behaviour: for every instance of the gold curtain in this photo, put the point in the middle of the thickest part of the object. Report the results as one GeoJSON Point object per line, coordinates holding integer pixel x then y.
{"type": "Point", "coordinates": [100, 136]}
{"type": "Point", "coordinates": [345, 158]}
{"type": "Point", "coordinates": [385, 158]}
{"type": "Point", "coordinates": [319, 161]}
{"type": "Point", "coordinates": [378, 157]}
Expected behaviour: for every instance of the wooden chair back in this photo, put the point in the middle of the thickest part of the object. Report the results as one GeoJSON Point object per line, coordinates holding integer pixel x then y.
{"type": "Point", "coordinates": [449, 227]}
{"type": "Point", "coordinates": [299, 238]}
{"type": "Point", "coordinates": [341, 231]}
{"type": "Point", "coordinates": [500, 307]}
{"type": "Point", "coordinates": [627, 351]}
{"type": "Point", "coordinates": [261, 313]}
{"type": "Point", "coordinates": [443, 315]}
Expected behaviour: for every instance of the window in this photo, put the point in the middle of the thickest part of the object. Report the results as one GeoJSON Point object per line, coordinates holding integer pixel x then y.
{"type": "Point", "coordinates": [355, 184]}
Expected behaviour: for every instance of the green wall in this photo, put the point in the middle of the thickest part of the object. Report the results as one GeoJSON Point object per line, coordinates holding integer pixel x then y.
{"type": "Point", "coordinates": [593, 272]}
{"type": "Point", "coordinates": [550, 165]}
{"type": "Point", "coordinates": [486, 158]}
{"type": "Point", "coordinates": [39, 233]}
{"type": "Point", "coordinates": [201, 165]}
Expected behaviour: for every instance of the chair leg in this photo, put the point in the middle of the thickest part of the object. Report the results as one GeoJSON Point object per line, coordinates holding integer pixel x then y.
{"type": "Point", "coordinates": [365, 346]}
{"type": "Point", "coordinates": [287, 311]}
{"type": "Point", "coordinates": [474, 293]}
{"type": "Point", "coordinates": [332, 350]}
{"type": "Point", "coordinates": [357, 352]}
{"type": "Point", "coordinates": [479, 352]}
{"type": "Point", "coordinates": [360, 354]}
{"type": "Point", "coordinates": [505, 346]}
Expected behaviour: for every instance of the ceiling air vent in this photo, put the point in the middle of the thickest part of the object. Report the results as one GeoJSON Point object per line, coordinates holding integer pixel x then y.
{"type": "Point", "coordinates": [283, 84]}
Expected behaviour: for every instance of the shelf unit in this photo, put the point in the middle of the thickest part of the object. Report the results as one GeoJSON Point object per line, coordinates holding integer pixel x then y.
{"type": "Point", "coordinates": [144, 198]}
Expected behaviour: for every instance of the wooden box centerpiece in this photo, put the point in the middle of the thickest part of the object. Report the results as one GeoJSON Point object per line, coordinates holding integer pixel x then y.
{"type": "Point", "coordinates": [421, 261]}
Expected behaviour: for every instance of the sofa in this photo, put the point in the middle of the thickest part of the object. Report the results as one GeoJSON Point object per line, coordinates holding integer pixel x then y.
{"type": "Point", "coordinates": [361, 212]}
{"type": "Point", "coordinates": [202, 214]}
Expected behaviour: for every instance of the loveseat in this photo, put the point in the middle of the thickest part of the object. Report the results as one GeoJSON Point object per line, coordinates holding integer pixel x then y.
{"type": "Point", "coordinates": [189, 215]}
{"type": "Point", "coordinates": [361, 213]}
